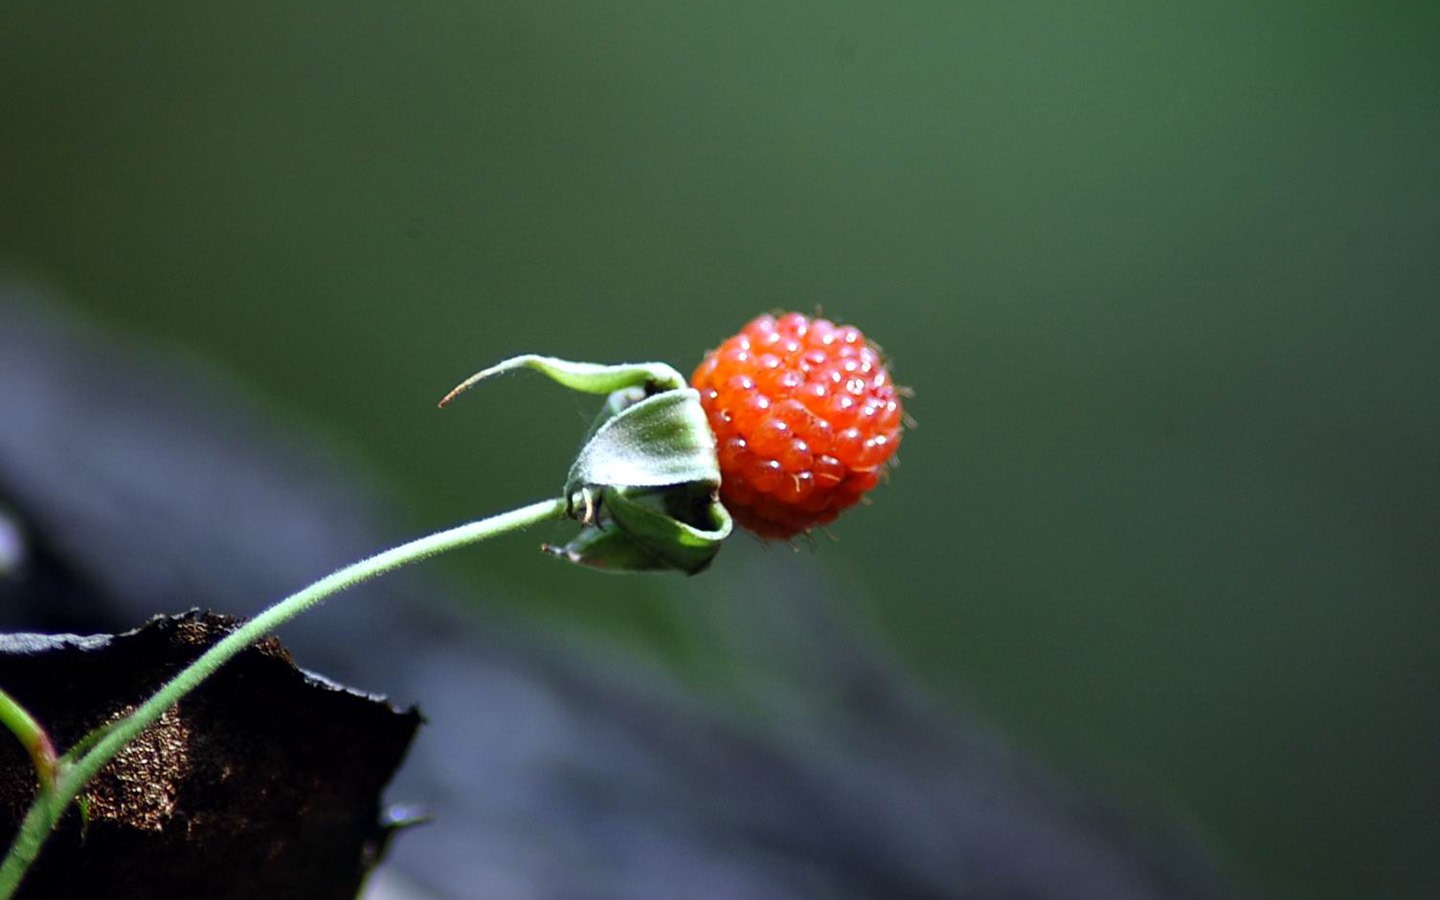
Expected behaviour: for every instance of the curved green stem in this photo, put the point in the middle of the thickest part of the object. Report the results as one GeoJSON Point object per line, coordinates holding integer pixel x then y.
{"type": "Point", "coordinates": [51, 803]}
{"type": "Point", "coordinates": [31, 736]}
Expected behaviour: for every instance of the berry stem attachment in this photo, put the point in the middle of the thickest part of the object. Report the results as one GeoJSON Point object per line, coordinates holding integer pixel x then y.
{"type": "Point", "coordinates": [72, 774]}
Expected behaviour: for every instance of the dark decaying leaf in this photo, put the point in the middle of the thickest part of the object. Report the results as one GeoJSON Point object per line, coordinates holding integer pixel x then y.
{"type": "Point", "coordinates": [264, 782]}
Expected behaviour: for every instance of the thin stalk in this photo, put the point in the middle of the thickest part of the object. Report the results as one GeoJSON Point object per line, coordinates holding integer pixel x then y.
{"type": "Point", "coordinates": [31, 736]}
{"type": "Point", "coordinates": [51, 804]}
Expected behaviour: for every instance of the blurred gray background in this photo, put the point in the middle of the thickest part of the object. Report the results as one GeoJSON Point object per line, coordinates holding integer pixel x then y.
{"type": "Point", "coordinates": [1165, 278]}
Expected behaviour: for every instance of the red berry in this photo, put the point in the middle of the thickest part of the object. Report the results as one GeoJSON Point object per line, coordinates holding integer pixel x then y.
{"type": "Point", "coordinates": [805, 418]}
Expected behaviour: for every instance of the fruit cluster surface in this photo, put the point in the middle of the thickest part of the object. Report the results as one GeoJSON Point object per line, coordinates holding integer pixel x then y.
{"type": "Point", "coordinates": [805, 416]}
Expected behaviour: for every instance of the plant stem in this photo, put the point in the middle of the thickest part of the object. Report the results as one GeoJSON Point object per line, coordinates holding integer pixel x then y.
{"type": "Point", "coordinates": [51, 803]}
{"type": "Point", "coordinates": [31, 736]}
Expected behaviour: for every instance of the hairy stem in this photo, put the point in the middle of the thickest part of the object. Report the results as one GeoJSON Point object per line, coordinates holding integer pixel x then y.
{"type": "Point", "coordinates": [31, 736]}
{"type": "Point", "coordinates": [52, 801]}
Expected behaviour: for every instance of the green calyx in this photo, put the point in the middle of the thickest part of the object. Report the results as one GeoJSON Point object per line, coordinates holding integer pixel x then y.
{"type": "Point", "coordinates": [644, 485]}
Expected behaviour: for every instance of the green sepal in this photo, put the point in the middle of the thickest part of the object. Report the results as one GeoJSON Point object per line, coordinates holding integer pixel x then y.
{"type": "Point", "coordinates": [590, 378]}
{"type": "Point", "coordinates": [640, 530]}
{"type": "Point", "coordinates": [685, 533]}
{"type": "Point", "coordinates": [607, 550]}
{"type": "Point", "coordinates": [661, 440]}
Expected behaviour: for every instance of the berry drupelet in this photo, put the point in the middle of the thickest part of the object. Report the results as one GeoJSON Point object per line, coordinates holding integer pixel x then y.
{"type": "Point", "coordinates": [805, 419]}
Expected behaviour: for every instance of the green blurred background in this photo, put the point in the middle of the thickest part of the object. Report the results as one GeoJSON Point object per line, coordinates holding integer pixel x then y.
{"type": "Point", "coordinates": [1165, 278]}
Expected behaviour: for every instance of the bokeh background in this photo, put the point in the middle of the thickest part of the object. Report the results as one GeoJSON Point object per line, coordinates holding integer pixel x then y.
{"type": "Point", "coordinates": [1165, 278]}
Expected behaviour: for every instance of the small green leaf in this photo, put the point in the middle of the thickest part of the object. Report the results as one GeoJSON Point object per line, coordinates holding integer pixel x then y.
{"type": "Point", "coordinates": [590, 378]}
{"type": "Point", "coordinates": [82, 746]}
{"type": "Point", "coordinates": [83, 802]}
